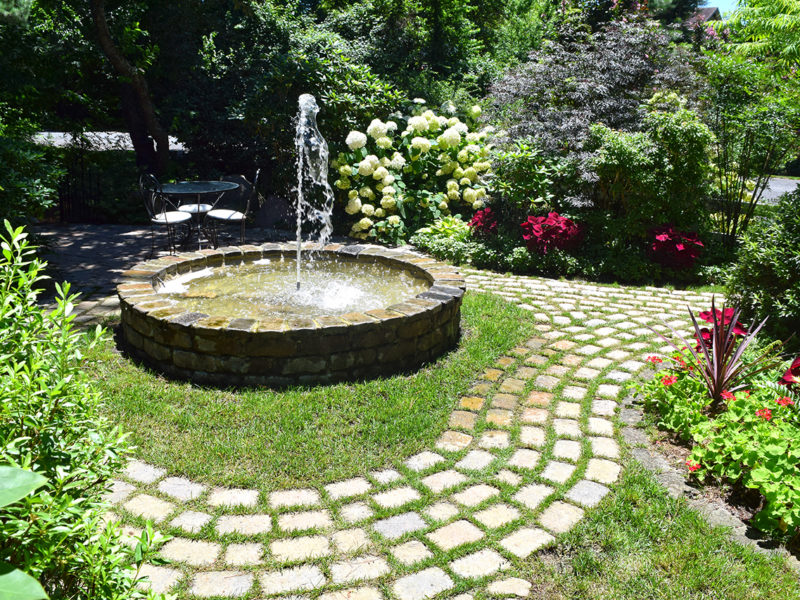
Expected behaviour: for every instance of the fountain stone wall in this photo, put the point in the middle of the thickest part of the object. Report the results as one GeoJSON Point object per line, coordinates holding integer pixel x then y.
{"type": "Point", "coordinates": [224, 351]}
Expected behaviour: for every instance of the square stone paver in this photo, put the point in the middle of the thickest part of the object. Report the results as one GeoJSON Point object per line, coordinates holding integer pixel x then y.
{"type": "Point", "coordinates": [475, 460]}
{"type": "Point", "coordinates": [298, 579]}
{"type": "Point", "coordinates": [618, 376]}
{"type": "Point", "coordinates": [560, 517]}
{"type": "Point", "coordinates": [443, 480]}
{"type": "Point", "coordinates": [442, 511]}
{"type": "Point", "coordinates": [523, 542]}
{"type": "Point", "coordinates": [531, 436]}
{"type": "Point", "coordinates": [587, 493]}
{"type": "Point", "coordinates": [454, 535]}
{"type": "Point", "coordinates": [479, 564]}
{"type": "Point", "coordinates": [568, 449]}
{"type": "Point", "coordinates": [385, 476]}
{"type": "Point", "coordinates": [290, 498]}
{"type": "Point", "coordinates": [606, 390]}
{"type": "Point", "coordinates": [244, 524]}
{"type": "Point", "coordinates": [462, 419]}
{"type": "Point", "coordinates": [358, 569]}
{"type": "Point", "coordinates": [605, 408]}
{"type": "Point", "coordinates": [423, 584]}
{"type": "Point", "coordinates": [471, 402]}
{"type": "Point", "coordinates": [547, 382]}
{"type": "Point", "coordinates": [494, 439]}
{"type": "Point", "coordinates": [196, 553]}
{"type": "Point", "coordinates": [558, 471]}
{"type": "Point", "coordinates": [191, 521]}
{"type": "Point", "coordinates": [538, 398]}
{"type": "Point", "coordinates": [239, 555]}
{"type": "Point", "coordinates": [567, 428]}
{"type": "Point", "coordinates": [535, 415]}
{"type": "Point", "coordinates": [492, 374]}
{"type": "Point", "coordinates": [512, 386]}
{"type": "Point", "coordinates": [411, 552]}
{"type": "Point", "coordinates": [497, 515]}
{"type": "Point", "coordinates": [532, 495]}
{"type": "Point", "coordinates": [601, 426]}
{"type": "Point", "coordinates": [350, 541]}
{"type": "Point", "coordinates": [361, 593]}
{"type": "Point", "coordinates": [355, 512]}
{"type": "Point", "coordinates": [348, 488]}
{"type": "Point", "coordinates": [599, 363]}
{"type": "Point", "coordinates": [574, 392]}
{"type": "Point", "coordinates": [232, 497]}
{"type": "Point", "coordinates": [513, 586]}
{"type": "Point", "coordinates": [474, 495]}
{"type": "Point", "coordinates": [524, 459]}
{"type": "Point", "coordinates": [568, 410]}
{"type": "Point", "coordinates": [453, 441]}
{"type": "Point", "coordinates": [563, 345]}
{"type": "Point", "coordinates": [536, 359]}
{"type": "Point", "coordinates": [159, 579]}
{"type": "Point", "coordinates": [396, 497]}
{"type": "Point", "coordinates": [586, 373]}
{"type": "Point", "coordinates": [557, 370]}
{"type": "Point", "coordinates": [180, 488]}
{"type": "Point", "coordinates": [571, 360]}
{"type": "Point", "coordinates": [603, 471]}
{"type": "Point", "coordinates": [300, 548]}
{"type": "Point", "coordinates": [504, 401]}
{"type": "Point", "coordinates": [588, 350]}
{"type": "Point", "coordinates": [498, 416]}
{"type": "Point", "coordinates": [142, 472]}
{"type": "Point", "coordinates": [149, 507]}
{"type": "Point", "coordinates": [301, 521]}
{"type": "Point", "coordinates": [618, 355]}
{"type": "Point", "coordinates": [425, 460]}
{"type": "Point", "coordinates": [228, 584]}
{"type": "Point", "coordinates": [119, 491]}
{"type": "Point", "coordinates": [605, 447]}
{"type": "Point", "coordinates": [399, 525]}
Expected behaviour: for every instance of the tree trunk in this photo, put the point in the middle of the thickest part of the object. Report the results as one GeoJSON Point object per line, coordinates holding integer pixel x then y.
{"type": "Point", "coordinates": [144, 110]}
{"type": "Point", "coordinates": [146, 158]}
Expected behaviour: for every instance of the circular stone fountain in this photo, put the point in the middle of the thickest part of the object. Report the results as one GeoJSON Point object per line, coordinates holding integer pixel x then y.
{"type": "Point", "coordinates": [232, 316]}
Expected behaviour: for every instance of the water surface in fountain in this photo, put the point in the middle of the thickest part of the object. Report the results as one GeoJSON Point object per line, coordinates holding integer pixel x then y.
{"type": "Point", "coordinates": [267, 288]}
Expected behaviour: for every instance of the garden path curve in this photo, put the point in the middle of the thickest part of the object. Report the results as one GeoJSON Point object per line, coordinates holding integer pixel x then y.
{"type": "Point", "coordinates": [530, 449]}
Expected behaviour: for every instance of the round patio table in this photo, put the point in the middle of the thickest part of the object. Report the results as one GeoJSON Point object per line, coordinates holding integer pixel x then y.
{"type": "Point", "coordinates": [198, 209]}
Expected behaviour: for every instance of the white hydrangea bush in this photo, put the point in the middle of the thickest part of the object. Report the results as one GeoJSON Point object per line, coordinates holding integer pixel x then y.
{"type": "Point", "coordinates": [406, 172]}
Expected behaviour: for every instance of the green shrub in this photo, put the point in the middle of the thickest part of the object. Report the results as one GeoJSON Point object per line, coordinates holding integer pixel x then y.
{"type": "Point", "coordinates": [765, 279]}
{"type": "Point", "coordinates": [50, 423]}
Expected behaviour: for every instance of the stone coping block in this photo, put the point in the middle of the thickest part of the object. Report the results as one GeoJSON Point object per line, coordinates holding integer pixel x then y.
{"type": "Point", "coordinates": [219, 350]}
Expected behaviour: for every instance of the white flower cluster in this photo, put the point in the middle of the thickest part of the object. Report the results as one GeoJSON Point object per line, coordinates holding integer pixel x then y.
{"type": "Point", "coordinates": [435, 154]}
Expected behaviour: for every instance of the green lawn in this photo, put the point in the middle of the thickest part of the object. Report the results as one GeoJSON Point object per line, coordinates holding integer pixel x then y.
{"type": "Point", "coordinates": [302, 436]}
{"type": "Point", "coordinates": [641, 544]}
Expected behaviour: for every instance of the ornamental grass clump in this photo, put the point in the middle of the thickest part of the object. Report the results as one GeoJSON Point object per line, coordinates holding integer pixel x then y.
{"type": "Point", "coordinates": [406, 172]}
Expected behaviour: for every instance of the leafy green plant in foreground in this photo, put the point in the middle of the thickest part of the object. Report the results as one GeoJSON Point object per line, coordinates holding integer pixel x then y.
{"type": "Point", "coordinates": [50, 424]}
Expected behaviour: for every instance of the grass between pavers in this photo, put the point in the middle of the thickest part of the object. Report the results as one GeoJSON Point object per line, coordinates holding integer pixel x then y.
{"type": "Point", "coordinates": [302, 436]}
{"type": "Point", "coordinates": [641, 543]}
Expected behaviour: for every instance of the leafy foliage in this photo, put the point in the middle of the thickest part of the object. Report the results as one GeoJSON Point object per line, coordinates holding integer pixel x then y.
{"type": "Point", "coordinates": [50, 424]}
{"type": "Point", "coordinates": [768, 29]}
{"type": "Point", "coordinates": [765, 278]}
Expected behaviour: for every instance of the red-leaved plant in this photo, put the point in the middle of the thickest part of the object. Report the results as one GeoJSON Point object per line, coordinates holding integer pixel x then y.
{"type": "Point", "coordinates": [675, 249]}
{"type": "Point", "coordinates": [553, 231]}
{"type": "Point", "coordinates": [718, 359]}
{"type": "Point", "coordinates": [484, 222]}
{"type": "Point", "coordinates": [792, 374]}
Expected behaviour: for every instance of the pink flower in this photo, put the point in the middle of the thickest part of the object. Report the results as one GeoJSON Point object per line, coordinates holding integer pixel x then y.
{"type": "Point", "coordinates": [764, 413]}
{"type": "Point", "coordinates": [726, 395]}
{"type": "Point", "coordinates": [654, 359]}
{"type": "Point", "coordinates": [785, 401]}
{"type": "Point", "coordinates": [693, 466]}
{"type": "Point", "coordinates": [669, 380]}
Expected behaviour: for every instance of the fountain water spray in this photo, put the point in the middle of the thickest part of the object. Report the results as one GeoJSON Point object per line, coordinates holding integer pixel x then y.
{"type": "Point", "coordinates": [312, 167]}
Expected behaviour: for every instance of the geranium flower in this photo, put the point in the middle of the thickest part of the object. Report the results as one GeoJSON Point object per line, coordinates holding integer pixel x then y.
{"type": "Point", "coordinates": [669, 380]}
{"type": "Point", "coordinates": [654, 359]}
{"type": "Point", "coordinates": [693, 466]}
{"type": "Point", "coordinates": [764, 413]}
{"type": "Point", "coordinates": [792, 374]}
{"type": "Point", "coordinates": [785, 401]}
{"type": "Point", "coordinates": [726, 315]}
{"type": "Point", "coordinates": [726, 395]}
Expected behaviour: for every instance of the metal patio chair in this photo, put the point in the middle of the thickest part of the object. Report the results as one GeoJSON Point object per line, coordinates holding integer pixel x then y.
{"type": "Point", "coordinates": [161, 211]}
{"type": "Point", "coordinates": [233, 208]}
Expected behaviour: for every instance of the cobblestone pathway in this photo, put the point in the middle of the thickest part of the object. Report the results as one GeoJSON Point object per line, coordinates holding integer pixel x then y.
{"type": "Point", "coordinates": [528, 452]}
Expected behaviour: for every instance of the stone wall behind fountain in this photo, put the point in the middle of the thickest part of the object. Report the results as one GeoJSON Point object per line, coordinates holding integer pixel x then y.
{"type": "Point", "coordinates": [277, 352]}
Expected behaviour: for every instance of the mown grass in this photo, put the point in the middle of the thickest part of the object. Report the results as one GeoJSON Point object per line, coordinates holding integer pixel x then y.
{"type": "Point", "coordinates": [302, 436]}
{"type": "Point", "coordinates": [641, 543]}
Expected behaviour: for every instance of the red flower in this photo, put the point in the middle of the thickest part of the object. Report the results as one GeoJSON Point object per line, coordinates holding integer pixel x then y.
{"type": "Point", "coordinates": [669, 380]}
{"type": "Point", "coordinates": [726, 316]}
{"type": "Point", "coordinates": [484, 222]}
{"type": "Point", "coordinates": [679, 359]}
{"type": "Point", "coordinates": [792, 374]}
{"type": "Point", "coordinates": [552, 231]}
{"type": "Point", "coordinates": [785, 401]}
{"type": "Point", "coordinates": [765, 413]}
{"type": "Point", "coordinates": [693, 466]}
{"type": "Point", "coordinates": [726, 395]}
{"type": "Point", "coordinates": [654, 359]}
{"type": "Point", "coordinates": [746, 393]}
{"type": "Point", "coordinates": [675, 249]}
